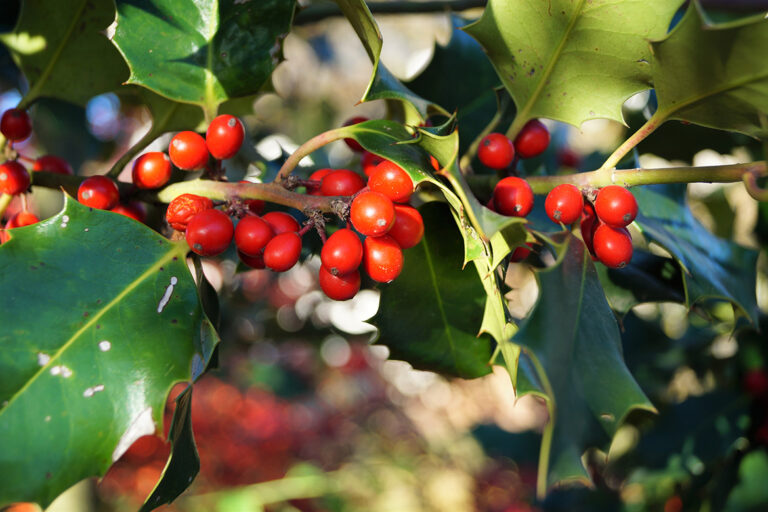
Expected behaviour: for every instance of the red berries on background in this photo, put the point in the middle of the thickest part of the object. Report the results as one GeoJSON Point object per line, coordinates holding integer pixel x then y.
{"type": "Point", "coordinates": [188, 151]}
{"type": "Point", "coordinates": [564, 204]}
{"type": "Point", "coordinates": [224, 136]}
{"type": "Point", "coordinates": [372, 213]}
{"type": "Point", "coordinates": [342, 253]}
{"type": "Point", "coordinates": [182, 208]}
{"type": "Point", "coordinates": [151, 170]}
{"type": "Point", "coordinates": [252, 234]}
{"type": "Point", "coordinates": [341, 287]}
{"type": "Point", "coordinates": [613, 246]}
{"type": "Point", "coordinates": [352, 143]}
{"type": "Point", "coordinates": [209, 232]}
{"type": "Point", "coordinates": [281, 222]}
{"type": "Point", "coordinates": [408, 228]}
{"type": "Point", "coordinates": [496, 151]}
{"type": "Point", "coordinates": [52, 163]}
{"type": "Point", "coordinates": [132, 210]}
{"type": "Point", "coordinates": [318, 175]}
{"type": "Point", "coordinates": [21, 219]}
{"type": "Point", "coordinates": [513, 197]}
{"type": "Point", "coordinates": [14, 178]}
{"type": "Point", "coordinates": [532, 140]}
{"type": "Point", "coordinates": [382, 258]}
{"type": "Point", "coordinates": [283, 251]}
{"type": "Point", "coordinates": [341, 182]}
{"type": "Point", "coordinates": [616, 206]}
{"type": "Point", "coordinates": [369, 161]}
{"type": "Point", "coordinates": [98, 192]}
{"type": "Point", "coordinates": [391, 180]}
{"type": "Point", "coordinates": [15, 125]}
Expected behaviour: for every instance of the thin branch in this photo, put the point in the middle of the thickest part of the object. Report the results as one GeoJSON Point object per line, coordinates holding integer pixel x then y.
{"type": "Point", "coordinates": [316, 13]}
{"type": "Point", "coordinates": [308, 148]}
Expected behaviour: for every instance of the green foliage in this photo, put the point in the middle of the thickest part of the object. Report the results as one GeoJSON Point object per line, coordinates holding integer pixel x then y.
{"type": "Point", "coordinates": [94, 341]}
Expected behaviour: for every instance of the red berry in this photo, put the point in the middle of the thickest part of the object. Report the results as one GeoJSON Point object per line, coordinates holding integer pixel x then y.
{"type": "Point", "coordinates": [616, 206]}
{"type": "Point", "coordinates": [352, 143]}
{"type": "Point", "coordinates": [755, 382]}
{"type": "Point", "coordinates": [133, 210]}
{"type": "Point", "coordinates": [513, 197]}
{"type": "Point", "coordinates": [341, 182]}
{"type": "Point", "coordinates": [589, 224]}
{"type": "Point", "coordinates": [224, 136]}
{"type": "Point", "coordinates": [256, 262]}
{"type": "Point", "coordinates": [283, 251]}
{"type": "Point", "coordinates": [255, 206]}
{"type": "Point", "coordinates": [532, 140]}
{"type": "Point", "coordinates": [281, 222]}
{"type": "Point", "coordinates": [613, 246]}
{"type": "Point", "coordinates": [564, 204]}
{"type": "Point", "coordinates": [391, 180]}
{"type": "Point", "coordinates": [209, 232]}
{"type": "Point", "coordinates": [372, 213]}
{"type": "Point", "coordinates": [496, 151]}
{"type": "Point", "coordinates": [15, 124]}
{"type": "Point", "coordinates": [182, 208]}
{"type": "Point", "coordinates": [318, 175]}
{"type": "Point", "coordinates": [568, 158]}
{"type": "Point", "coordinates": [14, 178]}
{"type": "Point", "coordinates": [369, 161]}
{"type": "Point", "coordinates": [342, 252]}
{"type": "Point", "coordinates": [52, 163]}
{"type": "Point", "coordinates": [434, 162]}
{"type": "Point", "coordinates": [21, 219]}
{"type": "Point", "coordinates": [408, 227]}
{"type": "Point", "coordinates": [188, 151]}
{"type": "Point", "coordinates": [520, 253]}
{"type": "Point", "coordinates": [342, 287]}
{"type": "Point", "coordinates": [151, 170]}
{"type": "Point", "coordinates": [252, 234]}
{"type": "Point", "coordinates": [98, 192]}
{"type": "Point", "coordinates": [382, 258]}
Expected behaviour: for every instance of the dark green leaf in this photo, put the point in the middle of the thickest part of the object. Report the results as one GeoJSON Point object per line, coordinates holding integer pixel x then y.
{"type": "Point", "coordinates": [712, 267]}
{"type": "Point", "coordinates": [715, 76]}
{"type": "Point", "coordinates": [430, 316]}
{"type": "Point", "coordinates": [62, 51]}
{"type": "Point", "coordinates": [88, 373]}
{"type": "Point", "coordinates": [202, 52]}
{"type": "Point", "coordinates": [572, 356]}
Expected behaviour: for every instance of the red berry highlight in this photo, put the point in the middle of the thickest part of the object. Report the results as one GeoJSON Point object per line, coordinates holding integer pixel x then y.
{"type": "Point", "coordinates": [98, 192]}
{"type": "Point", "coordinates": [151, 170]}
{"type": "Point", "coordinates": [188, 151]}
{"type": "Point", "coordinates": [532, 140]}
{"type": "Point", "coordinates": [391, 180]}
{"type": "Point", "coordinates": [616, 206]}
{"type": "Point", "coordinates": [14, 178]}
{"type": "Point", "coordinates": [224, 136]}
{"type": "Point", "coordinates": [372, 213]}
{"type": "Point", "coordinates": [513, 197]}
{"type": "Point", "coordinates": [209, 232]}
{"type": "Point", "coordinates": [564, 204]}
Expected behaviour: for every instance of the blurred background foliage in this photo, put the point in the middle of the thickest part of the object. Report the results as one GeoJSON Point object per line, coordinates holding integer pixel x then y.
{"type": "Point", "coordinates": [304, 413]}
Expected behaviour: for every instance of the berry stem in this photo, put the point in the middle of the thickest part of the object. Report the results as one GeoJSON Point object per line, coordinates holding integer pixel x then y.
{"type": "Point", "coordinates": [5, 200]}
{"type": "Point", "coordinates": [644, 131]}
{"type": "Point", "coordinates": [307, 148]}
{"type": "Point", "coordinates": [134, 150]}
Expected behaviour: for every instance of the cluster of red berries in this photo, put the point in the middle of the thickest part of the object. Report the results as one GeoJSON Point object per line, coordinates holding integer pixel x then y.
{"type": "Point", "coordinates": [274, 240]}
{"type": "Point", "coordinates": [498, 152]}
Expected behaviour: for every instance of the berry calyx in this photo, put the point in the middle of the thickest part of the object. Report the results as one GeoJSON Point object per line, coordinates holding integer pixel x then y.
{"type": "Point", "coordinates": [15, 125]}
{"type": "Point", "coordinates": [14, 178]}
{"type": "Point", "coordinates": [613, 246]}
{"type": "Point", "coordinates": [151, 170]}
{"type": "Point", "coordinates": [342, 253]}
{"type": "Point", "coordinates": [369, 161]}
{"type": "Point", "coordinates": [283, 251]}
{"type": "Point", "coordinates": [382, 258]}
{"type": "Point", "coordinates": [98, 192]}
{"type": "Point", "coordinates": [133, 210]}
{"type": "Point", "coordinates": [209, 232]}
{"type": "Point", "coordinates": [182, 208]}
{"type": "Point", "coordinates": [341, 287]}
{"type": "Point", "coordinates": [564, 204]}
{"type": "Point", "coordinates": [318, 175]}
{"type": "Point", "coordinates": [513, 197]}
{"type": "Point", "coordinates": [224, 136]}
{"type": "Point", "coordinates": [341, 182]}
{"type": "Point", "coordinates": [616, 206]}
{"type": "Point", "coordinates": [391, 180]}
{"type": "Point", "coordinates": [408, 228]}
{"type": "Point", "coordinates": [188, 151]}
{"type": "Point", "coordinates": [281, 222]}
{"type": "Point", "coordinates": [252, 233]}
{"type": "Point", "coordinates": [372, 213]}
{"type": "Point", "coordinates": [496, 151]}
{"type": "Point", "coordinates": [532, 140]}
{"type": "Point", "coordinates": [352, 143]}
{"type": "Point", "coordinates": [52, 163]}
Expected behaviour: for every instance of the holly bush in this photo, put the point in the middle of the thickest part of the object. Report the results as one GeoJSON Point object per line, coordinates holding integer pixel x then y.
{"type": "Point", "coordinates": [102, 315]}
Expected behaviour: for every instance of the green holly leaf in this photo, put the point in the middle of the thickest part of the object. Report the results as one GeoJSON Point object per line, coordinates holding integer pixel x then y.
{"type": "Point", "coordinates": [62, 51]}
{"type": "Point", "coordinates": [711, 267]}
{"type": "Point", "coordinates": [572, 357]}
{"type": "Point", "coordinates": [89, 373]}
{"type": "Point", "coordinates": [430, 316]}
{"type": "Point", "coordinates": [571, 60]}
{"type": "Point", "coordinates": [209, 52]}
{"type": "Point", "coordinates": [713, 75]}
